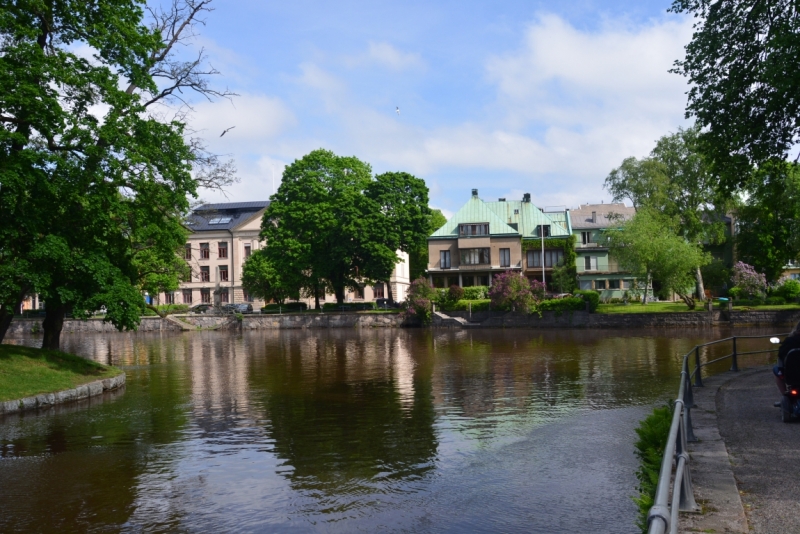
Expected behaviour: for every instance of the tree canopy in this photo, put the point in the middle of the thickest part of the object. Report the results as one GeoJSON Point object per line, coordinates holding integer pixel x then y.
{"type": "Point", "coordinates": [94, 151]}
{"type": "Point", "coordinates": [339, 226]}
{"type": "Point", "coordinates": [418, 257]}
{"type": "Point", "coordinates": [742, 67]}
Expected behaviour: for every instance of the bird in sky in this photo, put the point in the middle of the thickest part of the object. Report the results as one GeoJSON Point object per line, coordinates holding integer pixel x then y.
{"type": "Point", "coordinates": [226, 131]}
{"type": "Point", "coordinates": [397, 110]}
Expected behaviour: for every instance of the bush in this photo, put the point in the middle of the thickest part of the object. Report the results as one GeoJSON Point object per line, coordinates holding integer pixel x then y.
{"type": "Point", "coordinates": [735, 292]}
{"type": "Point", "coordinates": [475, 293]}
{"type": "Point", "coordinates": [562, 305]}
{"type": "Point", "coordinates": [788, 289]}
{"type": "Point", "coordinates": [173, 308]}
{"type": "Point", "coordinates": [591, 296]}
{"type": "Point", "coordinates": [653, 432]}
{"type": "Point", "coordinates": [746, 277]}
{"type": "Point", "coordinates": [286, 307]}
{"type": "Point", "coordinates": [615, 300]}
{"type": "Point", "coordinates": [776, 301]}
{"type": "Point", "coordinates": [349, 306]}
{"type": "Point", "coordinates": [511, 291]}
{"type": "Point", "coordinates": [420, 299]}
{"type": "Point", "coordinates": [446, 298]}
{"type": "Point", "coordinates": [750, 302]}
{"type": "Point", "coordinates": [477, 305]}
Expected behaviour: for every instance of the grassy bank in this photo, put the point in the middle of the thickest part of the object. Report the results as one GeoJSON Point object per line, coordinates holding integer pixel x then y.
{"type": "Point", "coordinates": [25, 371]}
{"type": "Point", "coordinates": [650, 307]}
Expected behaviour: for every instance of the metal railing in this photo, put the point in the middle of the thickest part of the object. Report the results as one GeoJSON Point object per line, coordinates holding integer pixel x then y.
{"type": "Point", "coordinates": [663, 516]}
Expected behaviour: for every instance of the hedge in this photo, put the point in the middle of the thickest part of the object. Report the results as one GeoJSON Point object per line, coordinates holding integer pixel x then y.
{"type": "Point", "coordinates": [477, 305]}
{"type": "Point", "coordinates": [350, 306]}
{"type": "Point", "coordinates": [286, 307]}
{"type": "Point", "coordinates": [563, 304]}
{"type": "Point", "coordinates": [592, 296]}
{"type": "Point", "coordinates": [476, 293]}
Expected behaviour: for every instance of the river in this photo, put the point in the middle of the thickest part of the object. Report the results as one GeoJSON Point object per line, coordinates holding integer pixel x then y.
{"type": "Point", "coordinates": [345, 431]}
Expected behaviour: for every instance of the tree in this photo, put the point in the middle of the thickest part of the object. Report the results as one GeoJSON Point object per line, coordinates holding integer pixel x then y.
{"type": "Point", "coordinates": [330, 221]}
{"type": "Point", "coordinates": [418, 258]}
{"type": "Point", "coordinates": [649, 247]}
{"type": "Point", "coordinates": [261, 279]}
{"type": "Point", "coordinates": [403, 203]}
{"type": "Point", "coordinates": [768, 222]}
{"type": "Point", "coordinates": [675, 181]}
{"type": "Point", "coordinates": [73, 185]}
{"type": "Point", "coordinates": [740, 64]}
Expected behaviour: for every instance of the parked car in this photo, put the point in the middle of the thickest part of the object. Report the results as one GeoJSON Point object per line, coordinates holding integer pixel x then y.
{"type": "Point", "coordinates": [242, 307]}
{"type": "Point", "coordinates": [386, 304]}
{"type": "Point", "coordinates": [203, 308]}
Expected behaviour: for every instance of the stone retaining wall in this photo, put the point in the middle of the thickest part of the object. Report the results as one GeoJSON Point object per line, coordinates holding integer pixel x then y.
{"type": "Point", "coordinates": [32, 326]}
{"type": "Point", "coordinates": [323, 320]}
{"type": "Point", "coordinates": [45, 400]}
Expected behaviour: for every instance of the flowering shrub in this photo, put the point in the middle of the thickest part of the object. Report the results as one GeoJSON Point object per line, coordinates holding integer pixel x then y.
{"type": "Point", "coordinates": [751, 282]}
{"type": "Point", "coordinates": [419, 300]}
{"type": "Point", "coordinates": [788, 289]}
{"type": "Point", "coordinates": [511, 291]}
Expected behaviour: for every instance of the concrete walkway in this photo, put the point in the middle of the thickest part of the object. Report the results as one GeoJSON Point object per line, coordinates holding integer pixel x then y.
{"type": "Point", "coordinates": [743, 439]}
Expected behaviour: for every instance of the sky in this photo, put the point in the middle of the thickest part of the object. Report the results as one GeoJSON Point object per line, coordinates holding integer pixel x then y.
{"type": "Point", "coordinates": [508, 97]}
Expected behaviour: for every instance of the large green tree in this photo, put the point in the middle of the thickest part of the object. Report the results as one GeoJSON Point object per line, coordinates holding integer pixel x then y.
{"type": "Point", "coordinates": [742, 68]}
{"type": "Point", "coordinates": [74, 185]}
{"type": "Point", "coordinates": [418, 257]}
{"type": "Point", "coordinates": [337, 226]}
{"type": "Point", "coordinates": [675, 181]}
{"type": "Point", "coordinates": [648, 246]}
{"type": "Point", "coordinates": [262, 280]}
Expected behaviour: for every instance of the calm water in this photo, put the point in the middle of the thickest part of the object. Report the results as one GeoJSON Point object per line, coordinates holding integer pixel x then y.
{"type": "Point", "coordinates": [344, 431]}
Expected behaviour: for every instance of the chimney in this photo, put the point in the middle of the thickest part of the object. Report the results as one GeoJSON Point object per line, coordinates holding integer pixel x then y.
{"type": "Point", "coordinates": [594, 216]}
{"type": "Point", "coordinates": [501, 199]}
{"type": "Point", "coordinates": [526, 197]}
{"type": "Point", "coordinates": [474, 192]}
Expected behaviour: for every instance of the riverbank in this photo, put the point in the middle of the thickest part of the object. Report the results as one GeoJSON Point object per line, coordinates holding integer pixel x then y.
{"type": "Point", "coordinates": [32, 377]}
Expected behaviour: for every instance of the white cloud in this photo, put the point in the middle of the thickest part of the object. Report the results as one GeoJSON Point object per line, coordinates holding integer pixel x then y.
{"type": "Point", "coordinates": [388, 56]}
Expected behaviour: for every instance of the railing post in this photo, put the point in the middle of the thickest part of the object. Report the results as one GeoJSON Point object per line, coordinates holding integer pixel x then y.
{"type": "Point", "coordinates": [688, 404]}
{"type": "Point", "coordinates": [734, 363]}
{"type": "Point", "coordinates": [698, 379]}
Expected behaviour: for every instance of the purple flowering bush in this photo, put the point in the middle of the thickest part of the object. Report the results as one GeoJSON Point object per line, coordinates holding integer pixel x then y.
{"type": "Point", "coordinates": [511, 291]}
{"type": "Point", "coordinates": [421, 296]}
{"type": "Point", "coordinates": [751, 282]}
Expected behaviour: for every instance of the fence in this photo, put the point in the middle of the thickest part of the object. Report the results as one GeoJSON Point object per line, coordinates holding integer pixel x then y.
{"type": "Point", "coordinates": [663, 516]}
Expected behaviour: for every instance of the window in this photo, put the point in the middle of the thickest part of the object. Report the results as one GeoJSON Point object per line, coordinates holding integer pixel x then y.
{"type": "Point", "coordinates": [223, 273]}
{"type": "Point", "coordinates": [169, 298]}
{"type": "Point", "coordinates": [482, 280]}
{"type": "Point", "coordinates": [599, 284]}
{"type": "Point", "coordinates": [444, 259]}
{"type": "Point", "coordinates": [220, 220]}
{"type": "Point", "coordinates": [475, 256]}
{"type": "Point", "coordinates": [377, 289]}
{"type": "Point", "coordinates": [551, 257]}
{"type": "Point", "coordinates": [586, 237]}
{"type": "Point", "coordinates": [247, 296]}
{"type": "Point", "coordinates": [359, 293]}
{"type": "Point", "coordinates": [585, 284]}
{"type": "Point", "coordinates": [795, 276]}
{"type": "Point", "coordinates": [205, 252]}
{"type": "Point", "coordinates": [626, 284]}
{"type": "Point", "coordinates": [187, 296]}
{"type": "Point", "coordinates": [543, 230]}
{"type": "Point", "coordinates": [187, 252]}
{"type": "Point", "coordinates": [205, 296]}
{"type": "Point", "coordinates": [589, 263]}
{"type": "Point", "coordinates": [613, 284]}
{"type": "Point", "coordinates": [205, 274]}
{"type": "Point", "coordinates": [247, 251]}
{"type": "Point", "coordinates": [223, 249]}
{"type": "Point", "coordinates": [223, 295]}
{"type": "Point", "coordinates": [505, 257]}
{"type": "Point", "coordinates": [452, 281]}
{"type": "Point", "coordinates": [473, 229]}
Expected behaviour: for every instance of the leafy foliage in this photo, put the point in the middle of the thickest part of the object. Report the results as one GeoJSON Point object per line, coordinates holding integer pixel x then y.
{"type": "Point", "coordinates": [788, 289]}
{"type": "Point", "coordinates": [261, 279]}
{"type": "Point", "coordinates": [591, 296]}
{"type": "Point", "coordinates": [418, 258]}
{"type": "Point", "coordinates": [563, 304]}
{"type": "Point", "coordinates": [419, 300]}
{"type": "Point", "coordinates": [653, 432]}
{"type": "Point", "coordinates": [737, 64]}
{"type": "Point", "coordinates": [512, 291]}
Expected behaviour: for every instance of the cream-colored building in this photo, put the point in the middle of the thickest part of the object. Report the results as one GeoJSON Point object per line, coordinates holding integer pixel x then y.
{"type": "Point", "coordinates": [223, 237]}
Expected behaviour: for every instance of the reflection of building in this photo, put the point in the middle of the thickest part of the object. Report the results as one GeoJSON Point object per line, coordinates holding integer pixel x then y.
{"type": "Point", "coordinates": [486, 238]}
{"type": "Point", "coordinates": [223, 237]}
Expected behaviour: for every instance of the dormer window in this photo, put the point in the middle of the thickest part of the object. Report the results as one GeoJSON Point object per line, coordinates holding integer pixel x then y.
{"type": "Point", "coordinates": [543, 230]}
{"type": "Point", "coordinates": [473, 229]}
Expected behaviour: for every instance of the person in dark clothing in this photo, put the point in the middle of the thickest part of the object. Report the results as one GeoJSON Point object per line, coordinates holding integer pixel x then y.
{"type": "Point", "coordinates": [792, 341]}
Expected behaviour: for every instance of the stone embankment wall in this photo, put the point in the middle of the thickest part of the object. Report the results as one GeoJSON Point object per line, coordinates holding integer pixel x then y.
{"type": "Point", "coordinates": [323, 320]}
{"type": "Point", "coordinates": [32, 326]}
{"type": "Point", "coordinates": [46, 400]}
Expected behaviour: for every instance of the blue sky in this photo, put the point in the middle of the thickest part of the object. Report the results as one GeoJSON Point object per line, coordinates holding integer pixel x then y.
{"type": "Point", "coordinates": [507, 96]}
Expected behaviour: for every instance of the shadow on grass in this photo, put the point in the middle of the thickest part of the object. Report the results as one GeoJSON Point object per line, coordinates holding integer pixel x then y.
{"type": "Point", "coordinates": [59, 361]}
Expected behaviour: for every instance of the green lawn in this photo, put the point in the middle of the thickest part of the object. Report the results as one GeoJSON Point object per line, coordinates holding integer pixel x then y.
{"type": "Point", "coordinates": [650, 307]}
{"type": "Point", "coordinates": [767, 307]}
{"type": "Point", "coordinates": [25, 371]}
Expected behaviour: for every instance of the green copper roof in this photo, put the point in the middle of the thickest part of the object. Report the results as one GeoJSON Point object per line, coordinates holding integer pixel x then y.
{"type": "Point", "coordinates": [500, 215]}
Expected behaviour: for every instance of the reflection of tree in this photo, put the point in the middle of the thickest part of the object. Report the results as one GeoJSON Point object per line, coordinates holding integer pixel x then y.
{"type": "Point", "coordinates": [80, 465]}
{"type": "Point", "coordinates": [337, 416]}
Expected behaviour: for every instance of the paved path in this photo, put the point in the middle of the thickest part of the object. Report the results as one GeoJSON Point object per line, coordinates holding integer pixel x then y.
{"type": "Point", "coordinates": [764, 452]}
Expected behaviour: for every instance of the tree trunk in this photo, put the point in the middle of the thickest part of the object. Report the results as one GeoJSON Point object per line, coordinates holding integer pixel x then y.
{"type": "Point", "coordinates": [6, 317]}
{"type": "Point", "coordinates": [688, 300]}
{"type": "Point", "coordinates": [389, 292]}
{"type": "Point", "coordinates": [316, 296]}
{"type": "Point", "coordinates": [701, 290]}
{"type": "Point", "coordinates": [646, 283]}
{"type": "Point", "coordinates": [52, 325]}
{"type": "Point", "coordinates": [155, 309]}
{"type": "Point", "coordinates": [339, 292]}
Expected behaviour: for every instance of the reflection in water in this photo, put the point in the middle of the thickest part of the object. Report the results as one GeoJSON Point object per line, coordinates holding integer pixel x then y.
{"type": "Point", "coordinates": [342, 430]}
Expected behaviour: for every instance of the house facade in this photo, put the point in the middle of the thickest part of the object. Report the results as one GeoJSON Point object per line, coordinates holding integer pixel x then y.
{"type": "Point", "coordinates": [223, 237]}
{"type": "Point", "coordinates": [485, 238]}
{"type": "Point", "coordinates": [596, 268]}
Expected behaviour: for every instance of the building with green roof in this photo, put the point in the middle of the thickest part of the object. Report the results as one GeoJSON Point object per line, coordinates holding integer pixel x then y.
{"type": "Point", "coordinates": [485, 238]}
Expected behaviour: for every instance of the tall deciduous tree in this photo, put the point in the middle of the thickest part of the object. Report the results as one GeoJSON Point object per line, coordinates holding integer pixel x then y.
{"type": "Point", "coordinates": [741, 64]}
{"type": "Point", "coordinates": [262, 280]}
{"type": "Point", "coordinates": [649, 247]}
{"type": "Point", "coordinates": [72, 184]}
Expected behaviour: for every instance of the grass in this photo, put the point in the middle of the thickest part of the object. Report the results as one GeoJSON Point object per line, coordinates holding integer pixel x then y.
{"type": "Point", "coordinates": [650, 307]}
{"type": "Point", "coordinates": [768, 307]}
{"type": "Point", "coordinates": [25, 371]}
